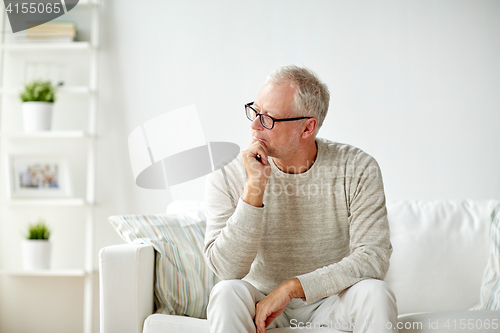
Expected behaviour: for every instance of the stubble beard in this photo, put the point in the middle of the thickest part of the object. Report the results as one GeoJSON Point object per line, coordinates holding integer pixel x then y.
{"type": "Point", "coordinates": [288, 149]}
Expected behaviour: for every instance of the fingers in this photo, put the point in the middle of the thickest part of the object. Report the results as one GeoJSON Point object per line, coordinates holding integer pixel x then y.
{"type": "Point", "coordinates": [256, 162]}
{"type": "Point", "coordinates": [261, 322]}
{"type": "Point", "coordinates": [266, 313]}
{"type": "Point", "coordinates": [271, 307]}
{"type": "Point", "coordinates": [270, 319]}
{"type": "Point", "coordinates": [258, 151]}
{"type": "Point", "coordinates": [260, 325]}
{"type": "Point", "coordinates": [260, 318]}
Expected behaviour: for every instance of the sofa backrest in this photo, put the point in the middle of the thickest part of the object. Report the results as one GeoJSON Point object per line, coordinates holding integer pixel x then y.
{"type": "Point", "coordinates": [440, 249]}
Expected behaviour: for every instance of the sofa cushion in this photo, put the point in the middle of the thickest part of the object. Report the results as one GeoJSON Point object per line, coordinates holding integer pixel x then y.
{"type": "Point", "coordinates": [490, 287]}
{"type": "Point", "coordinates": [440, 251]}
{"type": "Point", "coordinates": [158, 323]}
{"type": "Point", "coordinates": [450, 321]}
{"type": "Point", "coordinates": [182, 279]}
{"type": "Point", "coordinates": [180, 324]}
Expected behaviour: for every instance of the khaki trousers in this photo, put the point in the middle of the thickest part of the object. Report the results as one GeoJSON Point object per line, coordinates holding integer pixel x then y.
{"type": "Point", "coordinates": [367, 306]}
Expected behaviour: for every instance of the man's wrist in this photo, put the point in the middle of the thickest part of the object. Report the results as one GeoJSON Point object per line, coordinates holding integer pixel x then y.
{"type": "Point", "coordinates": [253, 200]}
{"type": "Point", "coordinates": [294, 288]}
{"type": "Point", "coordinates": [254, 193]}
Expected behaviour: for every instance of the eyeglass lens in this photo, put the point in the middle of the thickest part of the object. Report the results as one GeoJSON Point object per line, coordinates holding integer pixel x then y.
{"type": "Point", "coordinates": [265, 120]}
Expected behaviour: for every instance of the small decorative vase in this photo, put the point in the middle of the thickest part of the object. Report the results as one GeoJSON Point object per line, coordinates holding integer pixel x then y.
{"type": "Point", "coordinates": [37, 116]}
{"type": "Point", "coordinates": [36, 254]}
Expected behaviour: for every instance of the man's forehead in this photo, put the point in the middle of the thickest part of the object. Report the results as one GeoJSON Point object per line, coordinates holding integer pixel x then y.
{"type": "Point", "coordinates": [275, 98]}
{"type": "Point", "coordinates": [267, 109]}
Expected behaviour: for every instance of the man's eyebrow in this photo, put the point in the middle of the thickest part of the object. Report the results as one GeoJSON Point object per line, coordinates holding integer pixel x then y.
{"type": "Point", "coordinates": [258, 108]}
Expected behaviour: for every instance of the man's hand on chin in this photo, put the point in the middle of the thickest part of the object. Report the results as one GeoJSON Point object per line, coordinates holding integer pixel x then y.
{"type": "Point", "coordinates": [271, 306]}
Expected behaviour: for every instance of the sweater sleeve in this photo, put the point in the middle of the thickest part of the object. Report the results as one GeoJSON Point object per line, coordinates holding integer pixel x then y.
{"type": "Point", "coordinates": [369, 237]}
{"type": "Point", "coordinates": [233, 231]}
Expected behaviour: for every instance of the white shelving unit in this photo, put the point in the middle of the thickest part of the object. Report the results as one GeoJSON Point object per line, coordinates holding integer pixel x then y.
{"type": "Point", "coordinates": [47, 135]}
{"type": "Point", "coordinates": [47, 46]}
{"type": "Point", "coordinates": [13, 136]}
{"type": "Point", "coordinates": [61, 90]}
{"type": "Point", "coordinates": [46, 202]}
{"type": "Point", "coordinates": [49, 273]}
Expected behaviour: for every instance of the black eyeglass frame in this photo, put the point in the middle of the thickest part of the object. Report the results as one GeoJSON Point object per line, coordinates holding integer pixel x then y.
{"type": "Point", "coordinates": [275, 120]}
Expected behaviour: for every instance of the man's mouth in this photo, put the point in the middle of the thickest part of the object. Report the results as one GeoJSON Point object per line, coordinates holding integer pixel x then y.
{"type": "Point", "coordinates": [258, 139]}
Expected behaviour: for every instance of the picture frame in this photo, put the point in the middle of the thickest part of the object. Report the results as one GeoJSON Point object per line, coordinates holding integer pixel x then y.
{"type": "Point", "coordinates": [32, 176]}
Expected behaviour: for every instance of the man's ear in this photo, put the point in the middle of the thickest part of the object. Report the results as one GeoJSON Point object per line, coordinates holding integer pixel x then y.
{"type": "Point", "coordinates": [309, 127]}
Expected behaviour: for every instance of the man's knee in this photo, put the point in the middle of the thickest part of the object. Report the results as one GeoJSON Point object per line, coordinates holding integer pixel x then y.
{"type": "Point", "coordinates": [375, 290]}
{"type": "Point", "coordinates": [230, 289]}
{"type": "Point", "coordinates": [233, 298]}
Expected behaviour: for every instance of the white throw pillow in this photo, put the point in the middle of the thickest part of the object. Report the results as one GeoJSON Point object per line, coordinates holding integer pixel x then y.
{"type": "Point", "coordinates": [490, 286]}
{"type": "Point", "coordinates": [183, 281]}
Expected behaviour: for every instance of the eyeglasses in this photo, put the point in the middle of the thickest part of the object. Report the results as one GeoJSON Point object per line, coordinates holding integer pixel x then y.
{"type": "Point", "coordinates": [265, 120]}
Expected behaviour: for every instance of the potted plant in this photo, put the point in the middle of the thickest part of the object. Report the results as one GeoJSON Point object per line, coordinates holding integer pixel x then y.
{"type": "Point", "coordinates": [38, 99]}
{"type": "Point", "coordinates": [36, 247]}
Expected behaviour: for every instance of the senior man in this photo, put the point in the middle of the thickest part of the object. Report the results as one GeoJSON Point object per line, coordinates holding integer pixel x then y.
{"type": "Point", "coordinates": [297, 225]}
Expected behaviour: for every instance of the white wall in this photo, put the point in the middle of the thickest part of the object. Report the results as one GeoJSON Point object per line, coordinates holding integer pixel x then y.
{"type": "Point", "coordinates": [414, 83]}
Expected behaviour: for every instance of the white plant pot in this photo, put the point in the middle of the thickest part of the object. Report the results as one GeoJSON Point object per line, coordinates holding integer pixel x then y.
{"type": "Point", "coordinates": [37, 116]}
{"type": "Point", "coordinates": [36, 254]}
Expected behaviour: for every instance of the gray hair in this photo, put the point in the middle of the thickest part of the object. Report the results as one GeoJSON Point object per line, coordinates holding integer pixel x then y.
{"type": "Point", "coordinates": [311, 95]}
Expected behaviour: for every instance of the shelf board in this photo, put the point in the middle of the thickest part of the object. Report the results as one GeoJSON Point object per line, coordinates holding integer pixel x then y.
{"type": "Point", "coordinates": [47, 202]}
{"type": "Point", "coordinates": [87, 2]}
{"type": "Point", "coordinates": [46, 46]}
{"type": "Point", "coordinates": [46, 135]}
{"type": "Point", "coordinates": [83, 90]}
{"type": "Point", "coordinates": [48, 273]}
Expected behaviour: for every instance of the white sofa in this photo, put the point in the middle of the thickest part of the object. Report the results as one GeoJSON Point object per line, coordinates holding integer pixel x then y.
{"type": "Point", "coordinates": [440, 253]}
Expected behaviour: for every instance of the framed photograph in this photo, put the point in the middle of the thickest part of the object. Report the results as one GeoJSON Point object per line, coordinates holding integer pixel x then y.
{"type": "Point", "coordinates": [38, 177]}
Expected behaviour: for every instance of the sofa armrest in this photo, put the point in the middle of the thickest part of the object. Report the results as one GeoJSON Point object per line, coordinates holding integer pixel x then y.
{"type": "Point", "coordinates": [126, 278]}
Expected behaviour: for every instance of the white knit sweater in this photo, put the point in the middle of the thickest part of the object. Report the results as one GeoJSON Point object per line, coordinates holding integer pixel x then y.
{"type": "Point", "coordinates": [327, 226]}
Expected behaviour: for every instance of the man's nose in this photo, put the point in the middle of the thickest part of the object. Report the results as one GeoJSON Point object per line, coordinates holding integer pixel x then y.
{"type": "Point", "coordinates": [256, 125]}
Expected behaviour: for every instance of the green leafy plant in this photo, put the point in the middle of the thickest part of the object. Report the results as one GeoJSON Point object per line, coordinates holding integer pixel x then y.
{"type": "Point", "coordinates": [38, 230]}
{"type": "Point", "coordinates": [38, 91]}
